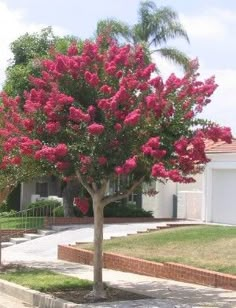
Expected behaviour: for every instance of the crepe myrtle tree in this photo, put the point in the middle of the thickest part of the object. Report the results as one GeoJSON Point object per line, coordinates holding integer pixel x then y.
{"type": "Point", "coordinates": [97, 114]}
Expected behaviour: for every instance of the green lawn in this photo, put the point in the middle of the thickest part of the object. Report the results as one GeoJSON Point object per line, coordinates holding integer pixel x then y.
{"type": "Point", "coordinates": [43, 280]}
{"type": "Point", "coordinates": [209, 247]}
{"type": "Point", "coordinates": [21, 222]}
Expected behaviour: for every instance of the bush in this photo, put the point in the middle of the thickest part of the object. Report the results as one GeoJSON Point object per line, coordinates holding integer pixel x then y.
{"type": "Point", "coordinates": [8, 213]}
{"type": "Point", "coordinates": [125, 210]}
{"type": "Point", "coordinates": [58, 211]}
{"type": "Point", "coordinates": [4, 207]}
{"type": "Point", "coordinates": [43, 207]}
{"type": "Point", "coordinates": [117, 209]}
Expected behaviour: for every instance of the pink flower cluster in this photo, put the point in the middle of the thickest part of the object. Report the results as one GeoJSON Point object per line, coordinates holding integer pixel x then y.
{"type": "Point", "coordinates": [85, 162]}
{"type": "Point", "coordinates": [62, 166]}
{"type": "Point", "coordinates": [53, 127]}
{"type": "Point", "coordinates": [151, 147]}
{"type": "Point", "coordinates": [132, 118]}
{"type": "Point", "coordinates": [77, 115]}
{"type": "Point", "coordinates": [9, 161]}
{"type": "Point", "coordinates": [159, 171]}
{"type": "Point", "coordinates": [52, 154]}
{"type": "Point", "coordinates": [102, 160]}
{"type": "Point", "coordinates": [129, 165]}
{"type": "Point", "coordinates": [92, 79]}
{"type": "Point", "coordinates": [96, 129]}
{"type": "Point", "coordinates": [216, 133]}
{"type": "Point", "coordinates": [181, 146]}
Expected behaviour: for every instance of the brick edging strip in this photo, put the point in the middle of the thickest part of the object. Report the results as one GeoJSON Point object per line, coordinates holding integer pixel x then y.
{"type": "Point", "coordinates": [169, 270]}
{"type": "Point", "coordinates": [6, 234]}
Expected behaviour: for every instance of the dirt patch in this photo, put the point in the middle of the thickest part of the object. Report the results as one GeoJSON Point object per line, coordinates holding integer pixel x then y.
{"type": "Point", "coordinates": [79, 296]}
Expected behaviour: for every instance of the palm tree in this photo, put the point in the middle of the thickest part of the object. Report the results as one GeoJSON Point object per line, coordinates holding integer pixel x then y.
{"type": "Point", "coordinates": [154, 28]}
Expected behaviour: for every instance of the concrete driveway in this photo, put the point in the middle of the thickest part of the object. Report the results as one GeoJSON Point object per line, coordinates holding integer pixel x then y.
{"type": "Point", "coordinates": [45, 248]}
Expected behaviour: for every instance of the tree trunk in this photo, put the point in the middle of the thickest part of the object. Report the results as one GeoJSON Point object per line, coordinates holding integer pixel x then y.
{"type": "Point", "coordinates": [67, 205]}
{"type": "Point", "coordinates": [98, 288]}
{"type": "Point", "coordinates": [69, 192]}
{"type": "Point", "coordinates": [4, 193]}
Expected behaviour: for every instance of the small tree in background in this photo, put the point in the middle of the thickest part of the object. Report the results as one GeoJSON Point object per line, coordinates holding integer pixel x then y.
{"type": "Point", "coordinates": [96, 114]}
{"type": "Point", "coordinates": [28, 51]}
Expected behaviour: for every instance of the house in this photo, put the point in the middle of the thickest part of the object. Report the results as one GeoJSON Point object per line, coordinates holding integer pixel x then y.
{"type": "Point", "coordinates": [212, 198]}
{"type": "Point", "coordinates": [39, 188]}
{"type": "Point", "coordinates": [49, 187]}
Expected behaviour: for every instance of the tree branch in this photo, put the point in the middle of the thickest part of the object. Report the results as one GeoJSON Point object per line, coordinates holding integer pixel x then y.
{"type": "Point", "coordinates": [86, 186]}
{"type": "Point", "coordinates": [103, 187]}
{"type": "Point", "coordinates": [94, 186]}
{"type": "Point", "coordinates": [122, 195]}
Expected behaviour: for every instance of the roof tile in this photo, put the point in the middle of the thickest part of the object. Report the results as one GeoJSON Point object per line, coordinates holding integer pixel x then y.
{"type": "Point", "coordinates": [220, 146]}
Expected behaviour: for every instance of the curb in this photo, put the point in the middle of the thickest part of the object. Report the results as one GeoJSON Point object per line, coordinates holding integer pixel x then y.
{"type": "Point", "coordinates": [35, 298]}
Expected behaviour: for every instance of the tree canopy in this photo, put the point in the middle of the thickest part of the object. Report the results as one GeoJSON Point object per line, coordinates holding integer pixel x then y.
{"type": "Point", "coordinates": [27, 51]}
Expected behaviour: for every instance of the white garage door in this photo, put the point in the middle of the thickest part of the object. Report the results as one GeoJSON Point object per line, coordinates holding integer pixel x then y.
{"type": "Point", "coordinates": [224, 196]}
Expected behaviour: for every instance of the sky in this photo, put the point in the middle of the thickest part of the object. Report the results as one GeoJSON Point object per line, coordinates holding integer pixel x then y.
{"type": "Point", "coordinates": [210, 24]}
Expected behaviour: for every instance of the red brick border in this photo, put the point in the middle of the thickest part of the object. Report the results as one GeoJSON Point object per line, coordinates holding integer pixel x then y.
{"type": "Point", "coordinates": [169, 270]}
{"type": "Point", "coordinates": [6, 234]}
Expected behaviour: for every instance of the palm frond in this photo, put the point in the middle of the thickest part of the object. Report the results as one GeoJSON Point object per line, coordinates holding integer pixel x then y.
{"type": "Point", "coordinates": [157, 25]}
{"type": "Point", "coordinates": [145, 13]}
{"type": "Point", "coordinates": [174, 55]}
{"type": "Point", "coordinates": [166, 32]}
{"type": "Point", "coordinates": [115, 28]}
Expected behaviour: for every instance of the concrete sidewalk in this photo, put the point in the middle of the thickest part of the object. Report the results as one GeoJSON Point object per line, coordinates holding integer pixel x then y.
{"type": "Point", "coordinates": [167, 293]}
{"type": "Point", "coordinates": [7, 301]}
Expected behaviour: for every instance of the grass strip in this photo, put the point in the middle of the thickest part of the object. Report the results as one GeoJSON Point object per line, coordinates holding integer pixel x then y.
{"type": "Point", "coordinates": [43, 280]}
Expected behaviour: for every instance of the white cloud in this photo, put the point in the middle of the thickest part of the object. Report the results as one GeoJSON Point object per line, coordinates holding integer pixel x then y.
{"type": "Point", "coordinates": [204, 26]}
{"type": "Point", "coordinates": [225, 15]}
{"type": "Point", "coordinates": [12, 26]}
{"type": "Point", "coordinates": [213, 23]}
{"type": "Point", "coordinates": [223, 106]}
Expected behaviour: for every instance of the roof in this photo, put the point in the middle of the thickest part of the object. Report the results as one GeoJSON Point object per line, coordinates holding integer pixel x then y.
{"type": "Point", "coordinates": [220, 147]}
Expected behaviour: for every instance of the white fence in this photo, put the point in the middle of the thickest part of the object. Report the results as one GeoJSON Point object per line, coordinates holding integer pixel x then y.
{"type": "Point", "coordinates": [190, 205]}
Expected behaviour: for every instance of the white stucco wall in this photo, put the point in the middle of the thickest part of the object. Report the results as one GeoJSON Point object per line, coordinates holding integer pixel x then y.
{"type": "Point", "coordinates": [196, 186]}
{"type": "Point", "coordinates": [161, 204]}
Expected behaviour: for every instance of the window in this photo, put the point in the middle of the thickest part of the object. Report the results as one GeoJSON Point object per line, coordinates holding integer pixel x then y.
{"type": "Point", "coordinates": [42, 189]}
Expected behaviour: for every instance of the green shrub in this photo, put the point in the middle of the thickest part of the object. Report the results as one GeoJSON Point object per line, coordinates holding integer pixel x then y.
{"type": "Point", "coordinates": [4, 207]}
{"type": "Point", "coordinates": [58, 211]}
{"type": "Point", "coordinates": [125, 210]}
{"type": "Point", "coordinates": [43, 207]}
{"type": "Point", "coordinates": [8, 213]}
{"type": "Point", "coordinates": [117, 209]}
